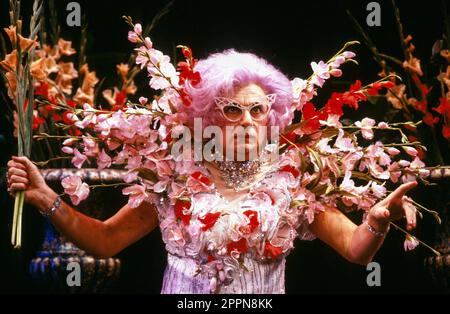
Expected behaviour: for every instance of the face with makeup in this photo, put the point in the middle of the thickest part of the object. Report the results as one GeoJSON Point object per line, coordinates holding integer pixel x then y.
{"type": "Point", "coordinates": [243, 120]}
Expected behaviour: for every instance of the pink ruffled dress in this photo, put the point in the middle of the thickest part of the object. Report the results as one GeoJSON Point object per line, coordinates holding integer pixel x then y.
{"type": "Point", "coordinates": [218, 246]}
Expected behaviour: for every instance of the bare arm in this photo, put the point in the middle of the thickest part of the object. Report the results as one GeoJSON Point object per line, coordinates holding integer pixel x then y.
{"type": "Point", "coordinates": [100, 238]}
{"type": "Point", "coordinates": [357, 243]}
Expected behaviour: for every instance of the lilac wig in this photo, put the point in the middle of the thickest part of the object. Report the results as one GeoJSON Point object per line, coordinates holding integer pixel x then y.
{"type": "Point", "coordinates": [223, 73]}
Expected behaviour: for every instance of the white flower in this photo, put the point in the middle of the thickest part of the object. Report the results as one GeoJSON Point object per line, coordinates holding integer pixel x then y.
{"type": "Point", "coordinates": [366, 126]}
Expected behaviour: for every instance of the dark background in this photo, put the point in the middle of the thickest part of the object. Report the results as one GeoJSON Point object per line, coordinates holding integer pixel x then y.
{"type": "Point", "coordinates": [290, 34]}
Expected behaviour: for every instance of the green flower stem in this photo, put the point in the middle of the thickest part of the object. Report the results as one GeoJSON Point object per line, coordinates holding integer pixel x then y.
{"type": "Point", "coordinates": [418, 240]}
{"type": "Point", "coordinates": [45, 162]}
{"type": "Point", "coordinates": [432, 212]}
{"type": "Point", "coordinates": [104, 185]}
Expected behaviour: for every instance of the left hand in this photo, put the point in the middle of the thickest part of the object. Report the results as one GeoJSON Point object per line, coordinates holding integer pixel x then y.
{"type": "Point", "coordinates": [394, 207]}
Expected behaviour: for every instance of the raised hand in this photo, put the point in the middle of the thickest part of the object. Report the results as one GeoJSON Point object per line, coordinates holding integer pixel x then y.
{"type": "Point", "coordinates": [396, 206]}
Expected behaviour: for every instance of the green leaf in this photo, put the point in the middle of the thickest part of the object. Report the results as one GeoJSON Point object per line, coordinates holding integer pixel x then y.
{"type": "Point", "coordinates": [318, 162]}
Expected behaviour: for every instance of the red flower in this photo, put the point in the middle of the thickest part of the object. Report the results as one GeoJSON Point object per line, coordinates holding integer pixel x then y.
{"type": "Point", "coordinates": [66, 120]}
{"type": "Point", "coordinates": [388, 84]}
{"type": "Point", "coordinates": [422, 87]}
{"type": "Point", "coordinates": [37, 121]}
{"type": "Point", "coordinates": [420, 105]}
{"type": "Point", "coordinates": [374, 89]}
{"type": "Point", "coordinates": [211, 258]}
{"type": "Point", "coordinates": [334, 105]}
{"type": "Point", "coordinates": [421, 153]}
{"type": "Point", "coordinates": [354, 95]}
{"type": "Point", "coordinates": [187, 73]}
{"type": "Point", "coordinates": [272, 251]}
{"type": "Point", "coordinates": [355, 87]}
{"type": "Point", "coordinates": [429, 119]}
{"type": "Point", "coordinates": [291, 170]}
{"type": "Point", "coordinates": [42, 90]}
{"type": "Point", "coordinates": [239, 246]}
{"type": "Point", "coordinates": [168, 137]}
{"type": "Point", "coordinates": [201, 177]}
{"type": "Point", "coordinates": [56, 117]}
{"type": "Point", "coordinates": [209, 220]}
{"type": "Point", "coordinates": [187, 52]}
{"type": "Point", "coordinates": [444, 107]}
{"type": "Point", "coordinates": [253, 216]}
{"type": "Point", "coordinates": [71, 103]}
{"type": "Point", "coordinates": [120, 99]}
{"type": "Point", "coordinates": [311, 117]}
{"type": "Point", "coordinates": [446, 131]}
{"type": "Point", "coordinates": [180, 207]}
{"type": "Point", "coordinates": [74, 131]}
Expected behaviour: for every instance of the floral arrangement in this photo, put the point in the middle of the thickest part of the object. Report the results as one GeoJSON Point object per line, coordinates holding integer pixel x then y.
{"type": "Point", "coordinates": [321, 154]}
{"type": "Point", "coordinates": [322, 161]}
{"type": "Point", "coordinates": [45, 76]}
{"type": "Point", "coordinates": [419, 96]}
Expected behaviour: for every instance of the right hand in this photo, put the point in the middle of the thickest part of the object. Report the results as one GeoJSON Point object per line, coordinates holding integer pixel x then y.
{"type": "Point", "coordinates": [24, 175]}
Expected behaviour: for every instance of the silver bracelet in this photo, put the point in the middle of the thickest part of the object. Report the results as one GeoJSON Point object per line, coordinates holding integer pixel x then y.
{"type": "Point", "coordinates": [56, 204]}
{"type": "Point", "coordinates": [375, 232]}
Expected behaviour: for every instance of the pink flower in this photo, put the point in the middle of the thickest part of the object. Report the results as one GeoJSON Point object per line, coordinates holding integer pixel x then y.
{"type": "Point", "coordinates": [130, 176]}
{"type": "Point", "coordinates": [142, 57]}
{"type": "Point", "coordinates": [148, 43]}
{"type": "Point", "coordinates": [410, 243]}
{"type": "Point", "coordinates": [417, 164]}
{"type": "Point", "coordinates": [78, 159]}
{"type": "Point", "coordinates": [103, 161]}
{"type": "Point", "coordinates": [137, 194]}
{"type": "Point", "coordinates": [133, 36]}
{"type": "Point", "coordinates": [347, 183]}
{"type": "Point", "coordinates": [198, 182]}
{"type": "Point", "coordinates": [392, 151]}
{"type": "Point", "coordinates": [378, 190]}
{"type": "Point", "coordinates": [138, 29]}
{"type": "Point", "coordinates": [68, 142]}
{"type": "Point", "coordinates": [366, 126]}
{"type": "Point", "coordinates": [383, 125]}
{"type": "Point", "coordinates": [323, 146]}
{"type": "Point", "coordinates": [143, 100]}
{"type": "Point", "coordinates": [349, 54]}
{"type": "Point", "coordinates": [332, 121]}
{"type": "Point", "coordinates": [345, 144]}
{"type": "Point", "coordinates": [75, 188]}
{"type": "Point", "coordinates": [336, 72]}
{"type": "Point", "coordinates": [172, 235]}
{"type": "Point", "coordinates": [320, 73]}
{"type": "Point", "coordinates": [298, 86]}
{"type": "Point", "coordinates": [404, 163]}
{"type": "Point", "coordinates": [349, 161]}
{"type": "Point", "coordinates": [395, 173]}
{"type": "Point", "coordinates": [67, 150]}
{"type": "Point", "coordinates": [338, 61]}
{"type": "Point", "coordinates": [378, 172]}
{"type": "Point", "coordinates": [411, 151]}
{"type": "Point", "coordinates": [90, 146]}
